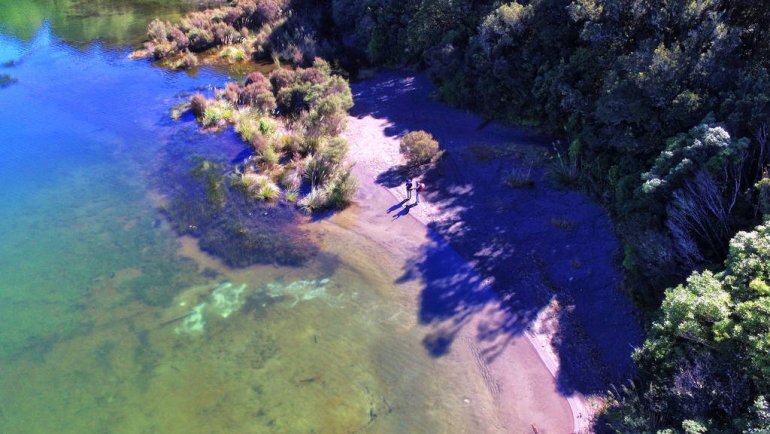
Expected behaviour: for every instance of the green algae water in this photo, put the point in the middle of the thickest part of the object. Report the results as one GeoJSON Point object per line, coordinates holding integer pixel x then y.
{"type": "Point", "coordinates": [109, 322]}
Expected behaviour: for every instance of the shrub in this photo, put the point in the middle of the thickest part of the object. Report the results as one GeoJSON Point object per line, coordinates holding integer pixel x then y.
{"type": "Point", "coordinates": [291, 101]}
{"type": "Point", "coordinates": [268, 156]}
{"type": "Point", "coordinates": [519, 177]}
{"type": "Point", "coordinates": [187, 61]}
{"type": "Point", "coordinates": [419, 147]}
{"type": "Point", "coordinates": [314, 201]}
{"type": "Point", "coordinates": [232, 93]}
{"type": "Point", "coordinates": [212, 116]}
{"type": "Point", "coordinates": [281, 78]}
{"type": "Point", "coordinates": [265, 102]}
{"type": "Point", "coordinates": [292, 195]}
{"type": "Point", "coordinates": [198, 105]}
{"type": "Point", "coordinates": [318, 170]}
{"type": "Point", "coordinates": [250, 93]}
{"type": "Point", "coordinates": [257, 77]}
{"type": "Point", "coordinates": [342, 189]}
{"type": "Point", "coordinates": [266, 127]}
{"type": "Point", "coordinates": [268, 192]}
{"type": "Point", "coordinates": [233, 54]}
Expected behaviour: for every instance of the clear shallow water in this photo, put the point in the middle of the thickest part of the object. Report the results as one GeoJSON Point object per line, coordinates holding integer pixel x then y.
{"type": "Point", "coordinates": [110, 323]}
{"type": "Point", "coordinates": [115, 22]}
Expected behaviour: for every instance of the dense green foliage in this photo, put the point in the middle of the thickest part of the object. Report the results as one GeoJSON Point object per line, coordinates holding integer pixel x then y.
{"type": "Point", "coordinates": [706, 361]}
{"type": "Point", "coordinates": [623, 81]}
{"type": "Point", "coordinates": [419, 147]}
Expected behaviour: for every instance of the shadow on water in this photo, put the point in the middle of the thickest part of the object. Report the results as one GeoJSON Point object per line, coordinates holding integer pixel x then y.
{"type": "Point", "coordinates": [540, 247]}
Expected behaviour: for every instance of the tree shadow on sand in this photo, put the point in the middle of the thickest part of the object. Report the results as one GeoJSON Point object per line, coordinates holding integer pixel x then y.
{"type": "Point", "coordinates": [536, 247]}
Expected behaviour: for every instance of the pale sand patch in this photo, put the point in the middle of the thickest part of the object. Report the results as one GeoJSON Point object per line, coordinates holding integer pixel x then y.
{"type": "Point", "coordinates": [521, 379]}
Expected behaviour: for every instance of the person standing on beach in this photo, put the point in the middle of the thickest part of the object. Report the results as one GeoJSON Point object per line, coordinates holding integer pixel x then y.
{"type": "Point", "coordinates": [417, 191]}
{"type": "Point", "coordinates": [409, 188]}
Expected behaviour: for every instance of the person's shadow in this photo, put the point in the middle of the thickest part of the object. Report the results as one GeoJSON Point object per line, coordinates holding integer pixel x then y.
{"type": "Point", "coordinates": [397, 206]}
{"type": "Point", "coordinates": [404, 211]}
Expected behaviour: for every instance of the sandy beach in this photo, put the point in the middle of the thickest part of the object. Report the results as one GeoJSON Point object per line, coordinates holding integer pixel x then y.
{"type": "Point", "coordinates": [519, 370]}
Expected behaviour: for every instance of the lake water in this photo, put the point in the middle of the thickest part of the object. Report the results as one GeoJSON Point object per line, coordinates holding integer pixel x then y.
{"type": "Point", "coordinates": [109, 322]}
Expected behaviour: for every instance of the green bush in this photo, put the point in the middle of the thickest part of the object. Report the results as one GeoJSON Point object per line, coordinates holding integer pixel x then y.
{"type": "Point", "coordinates": [268, 192]}
{"type": "Point", "coordinates": [706, 357]}
{"type": "Point", "coordinates": [341, 189]}
{"type": "Point", "coordinates": [316, 200]}
{"type": "Point", "coordinates": [419, 148]}
{"type": "Point", "coordinates": [268, 156]}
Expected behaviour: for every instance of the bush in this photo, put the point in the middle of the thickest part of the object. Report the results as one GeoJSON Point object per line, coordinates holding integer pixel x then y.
{"type": "Point", "coordinates": [231, 92]}
{"type": "Point", "coordinates": [268, 156]}
{"type": "Point", "coordinates": [314, 201]}
{"type": "Point", "coordinates": [250, 93]}
{"type": "Point", "coordinates": [187, 61]}
{"type": "Point", "coordinates": [233, 54]}
{"type": "Point", "coordinates": [292, 195]}
{"type": "Point", "coordinates": [268, 192]}
{"type": "Point", "coordinates": [266, 127]}
{"type": "Point", "coordinates": [342, 189]}
{"type": "Point", "coordinates": [282, 78]}
{"type": "Point", "coordinates": [212, 116]}
{"type": "Point", "coordinates": [319, 170]}
{"type": "Point", "coordinates": [198, 105]}
{"type": "Point", "coordinates": [419, 148]}
{"type": "Point", "coordinates": [520, 177]}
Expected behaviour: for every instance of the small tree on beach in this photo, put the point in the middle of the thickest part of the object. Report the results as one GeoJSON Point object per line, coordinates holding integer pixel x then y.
{"type": "Point", "coordinates": [419, 147]}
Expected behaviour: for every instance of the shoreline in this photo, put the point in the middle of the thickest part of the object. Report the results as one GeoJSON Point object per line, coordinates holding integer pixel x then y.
{"type": "Point", "coordinates": [527, 353]}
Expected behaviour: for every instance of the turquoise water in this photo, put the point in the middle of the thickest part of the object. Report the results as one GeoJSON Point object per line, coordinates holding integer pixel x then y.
{"type": "Point", "coordinates": [110, 322]}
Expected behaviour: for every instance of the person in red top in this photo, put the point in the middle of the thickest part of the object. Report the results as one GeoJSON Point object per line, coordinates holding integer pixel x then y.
{"type": "Point", "coordinates": [420, 188]}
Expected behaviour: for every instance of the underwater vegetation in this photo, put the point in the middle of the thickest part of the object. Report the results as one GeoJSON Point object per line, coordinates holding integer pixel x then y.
{"type": "Point", "coordinates": [238, 228]}
{"type": "Point", "coordinates": [227, 298]}
{"type": "Point", "coordinates": [6, 80]}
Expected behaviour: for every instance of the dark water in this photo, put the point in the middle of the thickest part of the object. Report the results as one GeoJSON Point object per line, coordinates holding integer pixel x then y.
{"type": "Point", "coordinates": [109, 322]}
